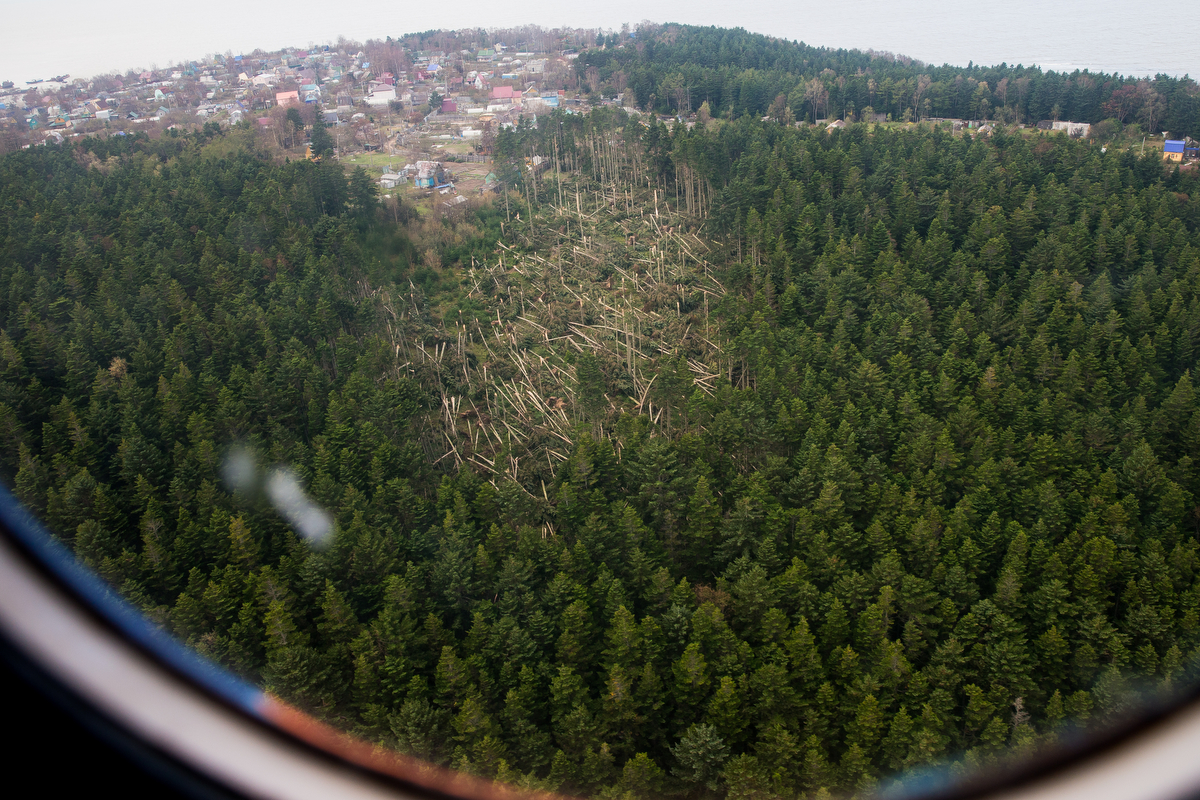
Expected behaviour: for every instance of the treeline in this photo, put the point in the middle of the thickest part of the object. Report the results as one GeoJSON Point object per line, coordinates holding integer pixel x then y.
{"type": "Point", "coordinates": [676, 68]}
{"type": "Point", "coordinates": [942, 502]}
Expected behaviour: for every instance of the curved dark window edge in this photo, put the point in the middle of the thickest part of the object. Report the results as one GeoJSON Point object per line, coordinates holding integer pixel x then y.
{"type": "Point", "coordinates": [101, 752]}
{"type": "Point", "coordinates": [188, 723]}
{"type": "Point", "coordinates": [182, 723]}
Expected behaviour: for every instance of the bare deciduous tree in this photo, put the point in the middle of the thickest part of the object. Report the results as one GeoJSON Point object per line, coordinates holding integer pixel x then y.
{"type": "Point", "coordinates": [817, 96]}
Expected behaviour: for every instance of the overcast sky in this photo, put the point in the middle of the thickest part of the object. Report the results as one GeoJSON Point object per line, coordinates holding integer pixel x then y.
{"type": "Point", "coordinates": [86, 38]}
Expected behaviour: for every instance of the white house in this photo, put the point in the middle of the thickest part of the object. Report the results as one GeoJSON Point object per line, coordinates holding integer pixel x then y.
{"type": "Point", "coordinates": [1073, 129]}
{"type": "Point", "coordinates": [381, 96]}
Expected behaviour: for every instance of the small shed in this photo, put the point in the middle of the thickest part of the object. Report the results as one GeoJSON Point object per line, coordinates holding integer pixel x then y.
{"type": "Point", "coordinates": [390, 180]}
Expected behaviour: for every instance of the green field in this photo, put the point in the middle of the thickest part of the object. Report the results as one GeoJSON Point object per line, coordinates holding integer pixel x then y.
{"type": "Point", "coordinates": [379, 161]}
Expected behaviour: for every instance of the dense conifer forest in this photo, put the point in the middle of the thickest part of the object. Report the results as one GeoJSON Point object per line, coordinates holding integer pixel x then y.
{"type": "Point", "coordinates": [677, 68]}
{"type": "Point", "coordinates": [749, 460]}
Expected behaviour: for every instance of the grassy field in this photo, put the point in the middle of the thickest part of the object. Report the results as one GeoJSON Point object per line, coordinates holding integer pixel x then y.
{"type": "Point", "coordinates": [378, 162]}
{"type": "Point", "coordinates": [375, 161]}
{"type": "Point", "coordinates": [449, 146]}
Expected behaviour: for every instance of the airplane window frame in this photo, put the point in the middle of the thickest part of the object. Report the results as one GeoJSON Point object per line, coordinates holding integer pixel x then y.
{"type": "Point", "coordinates": [204, 732]}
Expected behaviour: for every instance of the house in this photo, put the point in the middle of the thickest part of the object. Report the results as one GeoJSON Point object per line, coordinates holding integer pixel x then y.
{"type": "Point", "coordinates": [429, 174]}
{"type": "Point", "coordinates": [837, 123]}
{"type": "Point", "coordinates": [287, 98]}
{"type": "Point", "coordinates": [381, 95]}
{"type": "Point", "coordinates": [449, 106]}
{"type": "Point", "coordinates": [503, 93]}
{"type": "Point", "coordinates": [1076, 130]}
{"type": "Point", "coordinates": [1173, 150]}
{"type": "Point", "coordinates": [390, 180]}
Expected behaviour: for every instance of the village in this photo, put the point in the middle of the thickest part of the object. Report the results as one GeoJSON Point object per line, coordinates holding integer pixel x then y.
{"type": "Point", "coordinates": [412, 117]}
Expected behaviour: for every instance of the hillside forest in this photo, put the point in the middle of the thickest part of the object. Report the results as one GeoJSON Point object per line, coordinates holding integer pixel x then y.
{"type": "Point", "coordinates": [742, 461]}
{"type": "Point", "coordinates": [730, 72]}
